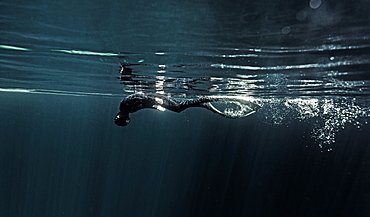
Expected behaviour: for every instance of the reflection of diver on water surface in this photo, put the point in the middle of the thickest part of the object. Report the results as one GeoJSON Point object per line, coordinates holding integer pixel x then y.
{"type": "Point", "coordinates": [138, 101]}
{"type": "Point", "coordinates": [133, 79]}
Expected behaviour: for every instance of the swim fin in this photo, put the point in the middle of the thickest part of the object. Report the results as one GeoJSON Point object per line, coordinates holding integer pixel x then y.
{"type": "Point", "coordinates": [234, 106]}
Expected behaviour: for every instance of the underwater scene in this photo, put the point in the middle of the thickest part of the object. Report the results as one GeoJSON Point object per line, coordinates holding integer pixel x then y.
{"type": "Point", "coordinates": [261, 108]}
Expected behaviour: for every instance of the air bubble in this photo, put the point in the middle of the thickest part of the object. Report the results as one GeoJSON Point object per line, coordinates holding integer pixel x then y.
{"type": "Point", "coordinates": [314, 4]}
{"type": "Point", "coordinates": [285, 30]}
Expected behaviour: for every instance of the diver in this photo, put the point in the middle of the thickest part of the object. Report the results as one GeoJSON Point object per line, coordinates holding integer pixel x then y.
{"type": "Point", "coordinates": [138, 101]}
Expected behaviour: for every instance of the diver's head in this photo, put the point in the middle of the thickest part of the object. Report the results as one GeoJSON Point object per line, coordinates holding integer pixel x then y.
{"type": "Point", "coordinates": [121, 119]}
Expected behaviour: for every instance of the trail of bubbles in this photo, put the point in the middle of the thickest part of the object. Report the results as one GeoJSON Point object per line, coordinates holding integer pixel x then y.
{"type": "Point", "coordinates": [327, 116]}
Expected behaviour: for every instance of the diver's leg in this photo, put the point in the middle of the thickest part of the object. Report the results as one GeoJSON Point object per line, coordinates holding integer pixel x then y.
{"type": "Point", "coordinates": [178, 105]}
{"type": "Point", "coordinates": [199, 102]}
{"type": "Point", "coordinates": [165, 102]}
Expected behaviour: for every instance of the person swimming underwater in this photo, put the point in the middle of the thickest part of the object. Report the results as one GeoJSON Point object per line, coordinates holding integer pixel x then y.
{"type": "Point", "coordinates": [138, 101]}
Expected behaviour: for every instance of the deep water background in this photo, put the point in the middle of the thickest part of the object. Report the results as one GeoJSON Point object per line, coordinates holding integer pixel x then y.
{"type": "Point", "coordinates": [62, 155]}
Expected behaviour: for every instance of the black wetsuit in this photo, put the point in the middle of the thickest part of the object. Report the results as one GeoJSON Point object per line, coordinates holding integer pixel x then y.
{"type": "Point", "coordinates": [135, 102]}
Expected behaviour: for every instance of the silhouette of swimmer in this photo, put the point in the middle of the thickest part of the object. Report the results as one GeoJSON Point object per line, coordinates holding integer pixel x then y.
{"type": "Point", "coordinates": [138, 101]}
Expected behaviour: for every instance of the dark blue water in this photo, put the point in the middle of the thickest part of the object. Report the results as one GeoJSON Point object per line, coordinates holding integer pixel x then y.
{"type": "Point", "coordinates": [66, 65]}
